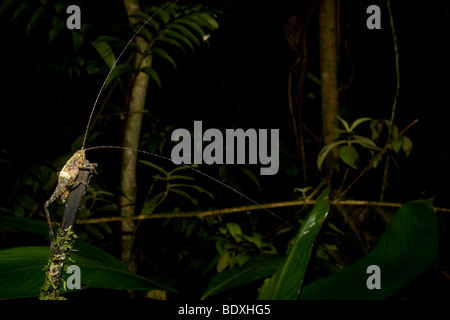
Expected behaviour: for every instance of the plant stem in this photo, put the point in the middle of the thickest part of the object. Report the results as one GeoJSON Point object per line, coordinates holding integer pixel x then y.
{"type": "Point", "coordinates": [394, 106]}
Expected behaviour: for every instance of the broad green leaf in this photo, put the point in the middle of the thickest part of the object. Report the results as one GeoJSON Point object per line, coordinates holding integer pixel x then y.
{"type": "Point", "coordinates": [348, 154]}
{"type": "Point", "coordinates": [394, 131]}
{"type": "Point", "coordinates": [365, 142]}
{"type": "Point", "coordinates": [23, 224]}
{"type": "Point", "coordinates": [404, 252]}
{"type": "Point", "coordinates": [407, 145]}
{"type": "Point", "coordinates": [164, 55]}
{"type": "Point", "coordinates": [40, 227]}
{"type": "Point", "coordinates": [397, 145]}
{"type": "Point", "coordinates": [21, 273]}
{"type": "Point", "coordinates": [325, 150]}
{"type": "Point", "coordinates": [255, 240]}
{"type": "Point", "coordinates": [254, 269]}
{"type": "Point", "coordinates": [235, 231]}
{"type": "Point", "coordinates": [287, 282]}
{"type": "Point", "coordinates": [224, 261]}
{"type": "Point", "coordinates": [152, 74]}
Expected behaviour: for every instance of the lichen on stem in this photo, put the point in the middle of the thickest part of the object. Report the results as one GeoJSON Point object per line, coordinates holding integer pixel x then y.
{"type": "Point", "coordinates": [57, 265]}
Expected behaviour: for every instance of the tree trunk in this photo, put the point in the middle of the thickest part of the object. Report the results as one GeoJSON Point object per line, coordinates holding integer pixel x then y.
{"type": "Point", "coordinates": [132, 133]}
{"type": "Point", "coordinates": [328, 74]}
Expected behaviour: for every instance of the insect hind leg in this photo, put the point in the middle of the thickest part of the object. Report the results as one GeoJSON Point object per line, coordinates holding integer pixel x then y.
{"type": "Point", "coordinates": [49, 222]}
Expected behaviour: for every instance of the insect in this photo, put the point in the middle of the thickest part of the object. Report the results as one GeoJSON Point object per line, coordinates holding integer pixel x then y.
{"type": "Point", "coordinates": [69, 173]}
{"type": "Point", "coordinates": [66, 182]}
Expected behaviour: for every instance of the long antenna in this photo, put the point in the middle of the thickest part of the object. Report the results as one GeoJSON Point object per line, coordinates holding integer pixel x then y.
{"type": "Point", "coordinates": [200, 172]}
{"type": "Point", "coordinates": [112, 68]}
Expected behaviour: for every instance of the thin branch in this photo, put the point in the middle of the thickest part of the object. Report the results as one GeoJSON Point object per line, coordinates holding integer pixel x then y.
{"type": "Point", "coordinates": [394, 106]}
{"type": "Point", "coordinates": [249, 208]}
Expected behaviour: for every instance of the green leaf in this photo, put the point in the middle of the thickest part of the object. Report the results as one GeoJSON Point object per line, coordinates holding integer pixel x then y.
{"type": "Point", "coordinates": [163, 14]}
{"type": "Point", "coordinates": [255, 240]}
{"type": "Point", "coordinates": [77, 39]}
{"type": "Point", "coordinates": [117, 73]}
{"type": "Point", "coordinates": [21, 9]}
{"type": "Point", "coordinates": [58, 25]}
{"type": "Point", "coordinates": [224, 261]}
{"type": "Point", "coordinates": [105, 52]}
{"type": "Point", "coordinates": [404, 252]}
{"type": "Point", "coordinates": [164, 55]}
{"type": "Point", "coordinates": [154, 166]}
{"type": "Point", "coordinates": [325, 150]}
{"type": "Point", "coordinates": [21, 273]}
{"type": "Point", "coordinates": [348, 154]}
{"type": "Point", "coordinates": [344, 123]}
{"type": "Point", "coordinates": [60, 6]}
{"type": "Point", "coordinates": [193, 25]}
{"type": "Point", "coordinates": [397, 145]}
{"type": "Point", "coordinates": [152, 74]}
{"type": "Point", "coordinates": [407, 145]}
{"type": "Point", "coordinates": [377, 127]}
{"type": "Point", "coordinates": [313, 78]}
{"type": "Point", "coordinates": [184, 31]}
{"type": "Point", "coordinates": [150, 205]}
{"type": "Point", "coordinates": [177, 36]}
{"type": "Point", "coordinates": [171, 42]}
{"type": "Point", "coordinates": [235, 231]}
{"type": "Point", "coordinates": [181, 193]}
{"type": "Point", "coordinates": [254, 269]}
{"type": "Point", "coordinates": [37, 15]}
{"type": "Point", "coordinates": [357, 122]}
{"type": "Point", "coordinates": [204, 19]}
{"type": "Point", "coordinates": [286, 283]}
{"type": "Point", "coordinates": [365, 142]}
{"type": "Point", "coordinates": [149, 19]}
{"type": "Point", "coordinates": [23, 224]}
{"type": "Point", "coordinates": [40, 227]}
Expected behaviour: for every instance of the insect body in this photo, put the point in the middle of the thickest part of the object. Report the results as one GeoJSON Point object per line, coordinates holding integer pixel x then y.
{"type": "Point", "coordinates": [66, 181]}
